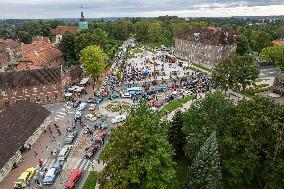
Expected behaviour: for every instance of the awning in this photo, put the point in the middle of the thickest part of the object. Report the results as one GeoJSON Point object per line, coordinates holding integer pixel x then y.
{"type": "Point", "coordinates": [84, 81]}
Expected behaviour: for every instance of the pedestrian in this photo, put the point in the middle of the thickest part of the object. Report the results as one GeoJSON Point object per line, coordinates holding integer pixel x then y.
{"type": "Point", "coordinates": [35, 152]}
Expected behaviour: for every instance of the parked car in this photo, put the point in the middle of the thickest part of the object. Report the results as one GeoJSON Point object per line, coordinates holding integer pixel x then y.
{"type": "Point", "coordinates": [25, 178]}
{"type": "Point", "coordinates": [151, 92]}
{"type": "Point", "coordinates": [91, 117]}
{"type": "Point", "coordinates": [105, 93]}
{"type": "Point", "coordinates": [118, 119]}
{"type": "Point", "coordinates": [77, 103]}
{"type": "Point", "coordinates": [52, 174]}
{"type": "Point", "coordinates": [169, 98]}
{"type": "Point", "coordinates": [161, 89]}
{"type": "Point", "coordinates": [158, 104]}
{"type": "Point", "coordinates": [103, 124]}
{"type": "Point", "coordinates": [114, 96]}
{"type": "Point", "coordinates": [64, 152]}
{"type": "Point", "coordinates": [91, 150]}
{"type": "Point", "coordinates": [73, 179]}
{"type": "Point", "coordinates": [100, 137]}
{"type": "Point", "coordinates": [126, 95]}
{"type": "Point", "coordinates": [78, 115]}
{"type": "Point", "coordinates": [90, 100]}
{"type": "Point", "coordinates": [98, 99]}
{"type": "Point", "coordinates": [82, 106]}
{"type": "Point", "coordinates": [92, 107]}
{"type": "Point", "coordinates": [97, 113]}
{"type": "Point", "coordinates": [70, 137]}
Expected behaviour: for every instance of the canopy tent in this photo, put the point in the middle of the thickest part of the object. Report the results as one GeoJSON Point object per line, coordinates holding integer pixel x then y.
{"type": "Point", "coordinates": [84, 81]}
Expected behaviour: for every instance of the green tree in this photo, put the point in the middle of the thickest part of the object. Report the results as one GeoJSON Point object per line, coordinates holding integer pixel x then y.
{"type": "Point", "coordinates": [213, 113]}
{"type": "Point", "coordinates": [205, 171]}
{"type": "Point", "coordinates": [261, 40]}
{"type": "Point", "coordinates": [176, 136]}
{"type": "Point", "coordinates": [93, 59]}
{"type": "Point", "coordinates": [67, 45]}
{"type": "Point", "coordinates": [121, 29]}
{"type": "Point", "coordinates": [254, 147]}
{"type": "Point", "coordinates": [25, 37]}
{"type": "Point", "coordinates": [243, 47]}
{"type": "Point", "coordinates": [274, 54]}
{"type": "Point", "coordinates": [138, 154]}
{"type": "Point", "coordinates": [155, 32]}
{"type": "Point", "coordinates": [234, 71]}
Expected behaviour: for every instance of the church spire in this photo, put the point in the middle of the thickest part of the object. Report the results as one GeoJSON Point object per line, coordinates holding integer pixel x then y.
{"type": "Point", "coordinates": [82, 19]}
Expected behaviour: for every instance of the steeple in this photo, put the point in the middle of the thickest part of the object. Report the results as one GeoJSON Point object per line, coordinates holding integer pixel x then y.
{"type": "Point", "coordinates": [82, 19]}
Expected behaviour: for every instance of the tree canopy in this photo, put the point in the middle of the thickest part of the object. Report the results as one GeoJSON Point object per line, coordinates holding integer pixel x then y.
{"type": "Point", "coordinates": [234, 71]}
{"type": "Point", "coordinates": [93, 59]}
{"type": "Point", "coordinates": [138, 154]}
{"type": "Point", "coordinates": [274, 54]}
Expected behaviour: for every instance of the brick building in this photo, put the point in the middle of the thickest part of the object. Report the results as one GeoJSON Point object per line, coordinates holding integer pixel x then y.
{"type": "Point", "coordinates": [40, 54]}
{"type": "Point", "coordinates": [278, 85]}
{"type": "Point", "coordinates": [58, 32]}
{"type": "Point", "coordinates": [205, 46]}
{"type": "Point", "coordinates": [38, 86]}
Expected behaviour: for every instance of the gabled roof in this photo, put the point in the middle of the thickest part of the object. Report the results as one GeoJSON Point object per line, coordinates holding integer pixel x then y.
{"type": "Point", "coordinates": [60, 30]}
{"type": "Point", "coordinates": [17, 124]}
{"type": "Point", "coordinates": [210, 35]}
{"type": "Point", "coordinates": [19, 79]}
{"type": "Point", "coordinates": [10, 43]}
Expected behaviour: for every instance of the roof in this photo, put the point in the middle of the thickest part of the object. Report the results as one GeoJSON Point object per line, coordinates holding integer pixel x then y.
{"type": "Point", "coordinates": [17, 124]}
{"type": "Point", "coordinates": [4, 58]}
{"type": "Point", "coordinates": [39, 53]}
{"type": "Point", "coordinates": [10, 43]}
{"type": "Point", "coordinates": [279, 42]}
{"type": "Point", "coordinates": [26, 78]}
{"type": "Point", "coordinates": [60, 30]}
{"type": "Point", "coordinates": [210, 35]}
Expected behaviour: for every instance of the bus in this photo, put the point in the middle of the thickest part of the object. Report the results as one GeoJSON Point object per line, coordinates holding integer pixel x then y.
{"type": "Point", "coordinates": [135, 90]}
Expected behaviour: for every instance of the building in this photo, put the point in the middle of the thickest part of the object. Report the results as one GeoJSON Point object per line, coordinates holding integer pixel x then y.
{"type": "Point", "coordinates": [58, 32]}
{"type": "Point", "coordinates": [83, 24]}
{"type": "Point", "coordinates": [20, 126]}
{"type": "Point", "coordinates": [38, 86]}
{"type": "Point", "coordinates": [41, 53]}
{"type": "Point", "coordinates": [279, 42]}
{"type": "Point", "coordinates": [278, 85]}
{"type": "Point", "coordinates": [207, 46]}
{"type": "Point", "coordinates": [9, 53]}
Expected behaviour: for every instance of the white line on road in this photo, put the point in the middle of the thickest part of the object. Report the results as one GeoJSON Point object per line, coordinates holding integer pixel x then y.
{"type": "Point", "coordinates": [77, 165]}
{"type": "Point", "coordinates": [87, 164]}
{"type": "Point", "coordinates": [81, 166]}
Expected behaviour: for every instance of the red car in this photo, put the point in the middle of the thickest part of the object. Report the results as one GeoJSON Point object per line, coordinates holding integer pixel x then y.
{"type": "Point", "coordinates": [105, 93]}
{"type": "Point", "coordinates": [100, 137]}
{"type": "Point", "coordinates": [73, 179]}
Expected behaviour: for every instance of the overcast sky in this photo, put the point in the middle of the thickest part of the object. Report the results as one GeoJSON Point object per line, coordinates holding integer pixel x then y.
{"type": "Point", "coordinates": [133, 8]}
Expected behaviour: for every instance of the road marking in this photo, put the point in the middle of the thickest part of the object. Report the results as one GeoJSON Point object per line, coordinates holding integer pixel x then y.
{"type": "Point", "coordinates": [81, 166]}
{"type": "Point", "coordinates": [62, 113]}
{"type": "Point", "coordinates": [77, 165]}
{"type": "Point", "coordinates": [87, 165]}
{"type": "Point", "coordinates": [63, 109]}
{"type": "Point", "coordinates": [61, 116]}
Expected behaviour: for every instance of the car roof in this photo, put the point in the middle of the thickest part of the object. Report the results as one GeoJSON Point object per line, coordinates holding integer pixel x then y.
{"type": "Point", "coordinates": [51, 172]}
{"type": "Point", "coordinates": [74, 173]}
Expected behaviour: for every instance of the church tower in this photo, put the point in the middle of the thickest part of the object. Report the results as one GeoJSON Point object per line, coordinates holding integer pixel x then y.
{"type": "Point", "coordinates": [83, 24]}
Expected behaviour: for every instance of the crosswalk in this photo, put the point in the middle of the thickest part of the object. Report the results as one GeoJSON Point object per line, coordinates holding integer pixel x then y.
{"type": "Point", "coordinates": [63, 112]}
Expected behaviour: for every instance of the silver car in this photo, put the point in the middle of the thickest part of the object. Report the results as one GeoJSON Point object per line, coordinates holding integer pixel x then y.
{"type": "Point", "coordinates": [70, 137]}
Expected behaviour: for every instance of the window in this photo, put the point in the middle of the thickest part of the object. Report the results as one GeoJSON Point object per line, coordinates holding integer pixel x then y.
{"type": "Point", "coordinates": [37, 99]}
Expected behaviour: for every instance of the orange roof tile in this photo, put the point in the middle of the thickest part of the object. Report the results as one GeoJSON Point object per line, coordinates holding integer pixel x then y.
{"type": "Point", "coordinates": [60, 30]}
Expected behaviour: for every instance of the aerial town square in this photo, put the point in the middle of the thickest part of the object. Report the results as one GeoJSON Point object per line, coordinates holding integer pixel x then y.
{"type": "Point", "coordinates": [141, 94]}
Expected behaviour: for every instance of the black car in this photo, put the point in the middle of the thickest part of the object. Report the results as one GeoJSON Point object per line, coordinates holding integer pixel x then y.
{"type": "Point", "coordinates": [151, 92]}
{"type": "Point", "coordinates": [169, 98]}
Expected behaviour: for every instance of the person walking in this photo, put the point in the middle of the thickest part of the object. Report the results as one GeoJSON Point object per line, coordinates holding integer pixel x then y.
{"type": "Point", "coordinates": [35, 152]}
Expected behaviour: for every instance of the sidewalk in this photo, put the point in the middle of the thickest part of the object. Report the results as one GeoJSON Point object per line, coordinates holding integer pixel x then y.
{"type": "Point", "coordinates": [31, 158]}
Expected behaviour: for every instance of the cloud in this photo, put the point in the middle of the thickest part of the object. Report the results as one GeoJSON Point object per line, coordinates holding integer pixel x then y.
{"type": "Point", "coordinates": [106, 8]}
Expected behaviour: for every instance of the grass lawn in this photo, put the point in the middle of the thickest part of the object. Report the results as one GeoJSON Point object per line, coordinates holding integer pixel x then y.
{"type": "Point", "coordinates": [201, 67]}
{"type": "Point", "coordinates": [175, 104]}
{"type": "Point", "coordinates": [91, 180]}
{"type": "Point", "coordinates": [137, 50]}
{"type": "Point", "coordinates": [181, 171]}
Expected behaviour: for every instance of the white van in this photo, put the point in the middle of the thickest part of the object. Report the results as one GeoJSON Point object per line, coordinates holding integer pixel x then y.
{"type": "Point", "coordinates": [135, 90]}
{"type": "Point", "coordinates": [64, 153]}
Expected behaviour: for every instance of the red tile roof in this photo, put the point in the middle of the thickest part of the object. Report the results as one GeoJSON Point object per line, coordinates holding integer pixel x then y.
{"type": "Point", "coordinates": [4, 58]}
{"type": "Point", "coordinates": [10, 43]}
{"type": "Point", "coordinates": [60, 30]}
{"type": "Point", "coordinates": [38, 55]}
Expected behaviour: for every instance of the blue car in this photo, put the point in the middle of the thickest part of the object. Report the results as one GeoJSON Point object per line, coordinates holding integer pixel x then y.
{"type": "Point", "coordinates": [52, 174]}
{"type": "Point", "coordinates": [161, 89]}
